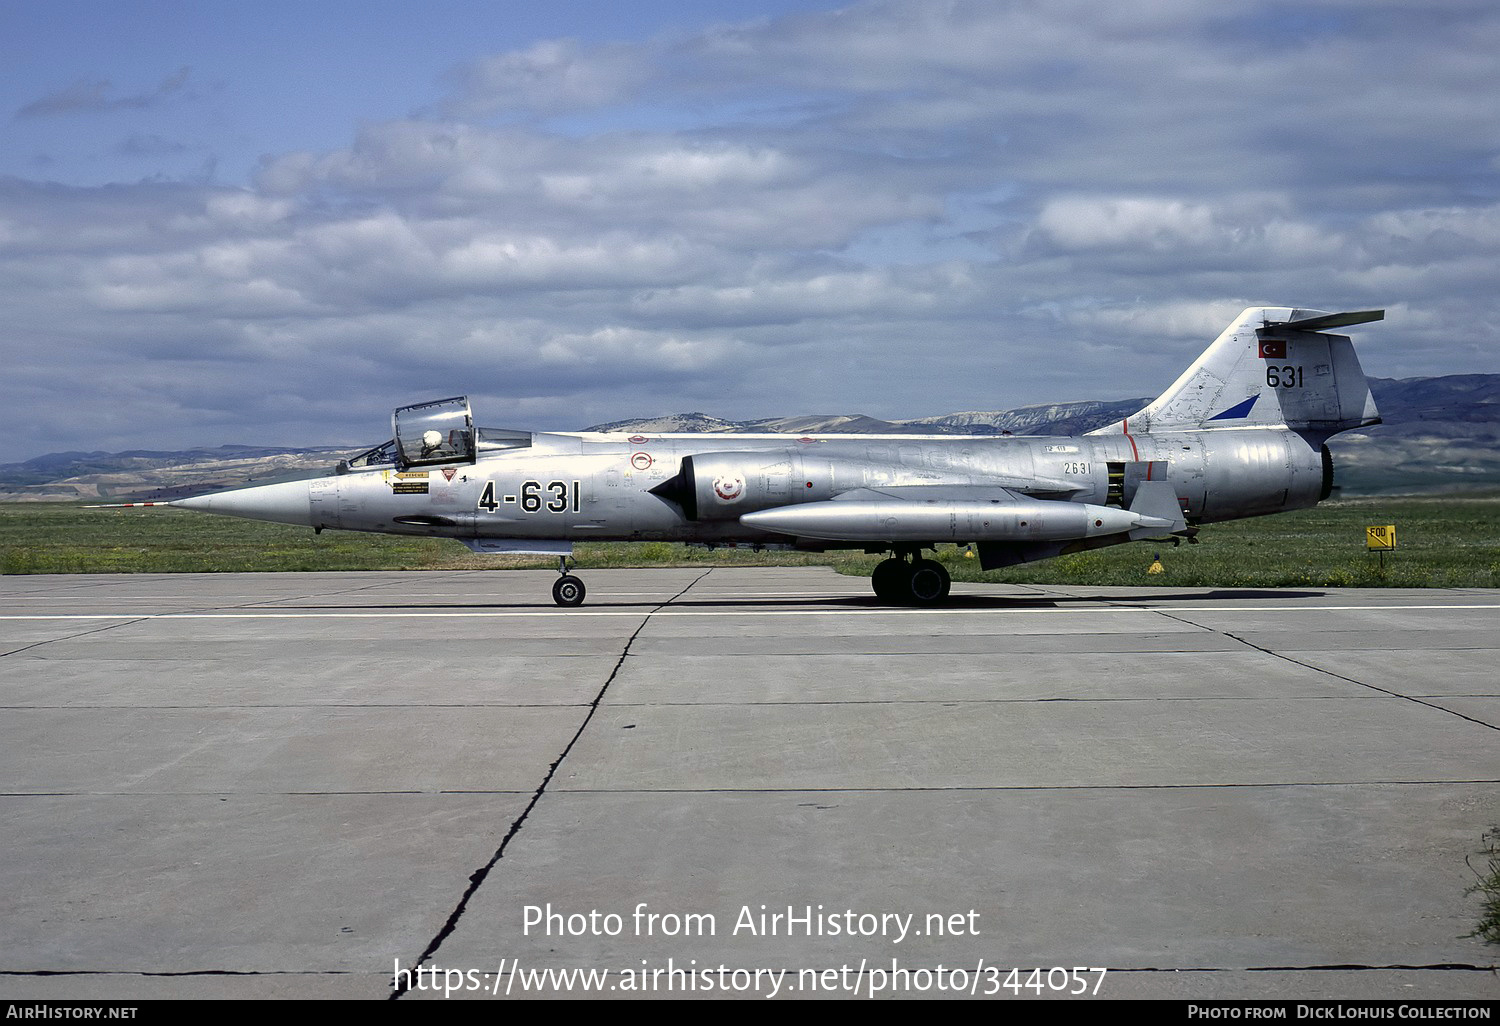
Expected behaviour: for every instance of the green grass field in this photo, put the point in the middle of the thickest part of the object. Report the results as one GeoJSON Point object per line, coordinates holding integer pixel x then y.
{"type": "Point", "coordinates": [1445, 542]}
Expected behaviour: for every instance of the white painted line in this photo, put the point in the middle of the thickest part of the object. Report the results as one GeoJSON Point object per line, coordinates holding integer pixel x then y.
{"type": "Point", "coordinates": [274, 614]}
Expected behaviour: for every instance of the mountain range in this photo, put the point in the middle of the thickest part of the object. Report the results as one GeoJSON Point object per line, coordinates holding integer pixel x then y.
{"type": "Point", "coordinates": [1440, 433]}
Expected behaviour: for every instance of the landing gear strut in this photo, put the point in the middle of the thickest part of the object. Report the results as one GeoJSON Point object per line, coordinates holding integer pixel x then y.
{"type": "Point", "coordinates": [917, 581]}
{"type": "Point", "coordinates": [567, 590]}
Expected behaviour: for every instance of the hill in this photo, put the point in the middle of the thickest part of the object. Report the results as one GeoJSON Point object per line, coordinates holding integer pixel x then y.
{"type": "Point", "coordinates": [1439, 433]}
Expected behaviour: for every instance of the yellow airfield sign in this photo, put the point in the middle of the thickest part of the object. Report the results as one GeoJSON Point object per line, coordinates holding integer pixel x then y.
{"type": "Point", "coordinates": [1380, 538]}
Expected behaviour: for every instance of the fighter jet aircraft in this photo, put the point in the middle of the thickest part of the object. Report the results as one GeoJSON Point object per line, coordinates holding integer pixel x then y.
{"type": "Point", "coordinates": [1239, 434]}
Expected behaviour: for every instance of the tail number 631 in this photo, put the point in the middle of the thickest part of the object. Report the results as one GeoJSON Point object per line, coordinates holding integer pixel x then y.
{"type": "Point", "coordinates": [1283, 377]}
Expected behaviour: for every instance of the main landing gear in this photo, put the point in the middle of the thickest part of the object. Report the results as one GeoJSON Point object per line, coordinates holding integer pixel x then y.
{"type": "Point", "coordinates": [567, 590]}
{"type": "Point", "coordinates": [911, 580]}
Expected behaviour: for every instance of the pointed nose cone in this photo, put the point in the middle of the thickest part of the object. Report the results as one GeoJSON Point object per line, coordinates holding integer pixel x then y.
{"type": "Point", "coordinates": [284, 503]}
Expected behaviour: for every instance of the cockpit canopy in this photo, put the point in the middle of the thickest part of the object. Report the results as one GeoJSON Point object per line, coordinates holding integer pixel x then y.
{"type": "Point", "coordinates": [441, 431]}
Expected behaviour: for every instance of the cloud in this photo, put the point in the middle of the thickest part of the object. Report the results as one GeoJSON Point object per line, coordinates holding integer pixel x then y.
{"type": "Point", "coordinates": [139, 144]}
{"type": "Point", "coordinates": [898, 208]}
{"type": "Point", "coordinates": [550, 77]}
{"type": "Point", "coordinates": [1240, 233]}
{"type": "Point", "coordinates": [89, 97]}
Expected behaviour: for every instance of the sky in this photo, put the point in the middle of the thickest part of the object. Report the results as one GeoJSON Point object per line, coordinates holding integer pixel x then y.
{"type": "Point", "coordinates": [270, 223]}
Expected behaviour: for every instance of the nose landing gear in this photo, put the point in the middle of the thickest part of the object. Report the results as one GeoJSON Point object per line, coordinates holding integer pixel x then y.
{"type": "Point", "coordinates": [567, 590]}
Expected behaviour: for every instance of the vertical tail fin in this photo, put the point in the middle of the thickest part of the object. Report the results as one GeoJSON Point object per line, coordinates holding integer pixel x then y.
{"type": "Point", "coordinates": [1272, 367]}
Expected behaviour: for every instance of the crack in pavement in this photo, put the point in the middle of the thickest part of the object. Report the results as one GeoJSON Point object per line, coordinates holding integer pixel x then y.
{"type": "Point", "coordinates": [478, 877]}
{"type": "Point", "coordinates": [1326, 672]}
{"type": "Point", "coordinates": [75, 637]}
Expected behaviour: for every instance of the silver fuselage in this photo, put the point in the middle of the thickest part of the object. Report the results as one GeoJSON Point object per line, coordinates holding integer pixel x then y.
{"type": "Point", "coordinates": [599, 486]}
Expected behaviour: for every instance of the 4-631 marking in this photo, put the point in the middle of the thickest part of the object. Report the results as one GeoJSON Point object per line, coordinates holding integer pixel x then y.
{"type": "Point", "coordinates": [534, 497]}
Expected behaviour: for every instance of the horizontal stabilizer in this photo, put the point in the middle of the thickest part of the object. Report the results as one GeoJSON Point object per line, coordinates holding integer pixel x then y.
{"type": "Point", "coordinates": [1334, 320]}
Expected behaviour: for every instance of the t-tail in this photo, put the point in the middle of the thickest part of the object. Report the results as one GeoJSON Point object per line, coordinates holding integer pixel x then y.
{"type": "Point", "coordinates": [1273, 367]}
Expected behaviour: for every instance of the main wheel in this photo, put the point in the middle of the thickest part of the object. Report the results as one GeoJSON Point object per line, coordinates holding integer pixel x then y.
{"type": "Point", "coordinates": [889, 579]}
{"type": "Point", "coordinates": [929, 581]}
{"type": "Point", "coordinates": [568, 590]}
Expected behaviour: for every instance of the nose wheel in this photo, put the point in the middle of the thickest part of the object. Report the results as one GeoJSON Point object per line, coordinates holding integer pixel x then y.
{"type": "Point", "coordinates": [567, 590]}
